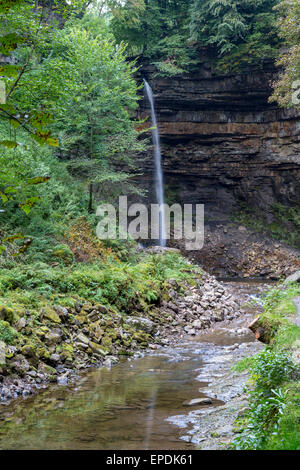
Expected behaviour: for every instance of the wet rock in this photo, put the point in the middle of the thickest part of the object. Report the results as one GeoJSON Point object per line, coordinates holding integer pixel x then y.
{"type": "Point", "coordinates": [50, 314]}
{"type": "Point", "coordinates": [93, 316]}
{"type": "Point", "coordinates": [96, 348]}
{"type": "Point", "coordinates": [198, 401]}
{"type": "Point", "coordinates": [28, 351]}
{"type": "Point", "coordinates": [192, 332]}
{"type": "Point", "coordinates": [2, 353]}
{"type": "Point", "coordinates": [197, 324]}
{"type": "Point", "coordinates": [110, 361]}
{"type": "Point", "coordinates": [293, 277]}
{"type": "Point", "coordinates": [81, 338]}
{"type": "Point", "coordinates": [141, 323]}
{"type": "Point", "coordinates": [78, 307]}
{"type": "Point", "coordinates": [21, 323]}
{"type": "Point", "coordinates": [62, 312]}
{"type": "Point", "coordinates": [102, 309]}
{"type": "Point", "coordinates": [55, 358]}
{"type": "Point", "coordinates": [62, 380]}
{"type": "Point", "coordinates": [20, 365]}
{"type": "Point", "coordinates": [46, 370]}
{"type": "Point", "coordinates": [224, 431]}
{"type": "Point", "coordinates": [54, 337]}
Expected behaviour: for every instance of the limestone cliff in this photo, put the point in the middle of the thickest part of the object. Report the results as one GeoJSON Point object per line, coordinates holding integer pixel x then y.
{"type": "Point", "coordinates": [223, 143]}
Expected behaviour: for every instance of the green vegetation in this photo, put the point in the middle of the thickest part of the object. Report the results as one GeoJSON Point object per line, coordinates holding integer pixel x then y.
{"type": "Point", "coordinates": [172, 33]}
{"type": "Point", "coordinates": [124, 285]}
{"type": "Point", "coordinates": [286, 89]}
{"type": "Point", "coordinates": [272, 419]}
{"type": "Point", "coordinates": [242, 32]}
{"type": "Point", "coordinates": [285, 225]}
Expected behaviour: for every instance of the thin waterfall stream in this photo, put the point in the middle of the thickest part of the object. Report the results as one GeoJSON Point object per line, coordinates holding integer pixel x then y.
{"type": "Point", "coordinates": [159, 180]}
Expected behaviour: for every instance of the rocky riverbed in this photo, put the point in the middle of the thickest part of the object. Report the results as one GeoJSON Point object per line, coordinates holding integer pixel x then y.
{"type": "Point", "coordinates": [181, 395]}
{"type": "Point", "coordinates": [64, 341]}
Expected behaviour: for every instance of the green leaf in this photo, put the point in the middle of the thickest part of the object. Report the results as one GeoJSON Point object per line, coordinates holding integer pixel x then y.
{"type": "Point", "coordinates": [9, 42]}
{"type": "Point", "coordinates": [28, 205]}
{"type": "Point", "coordinates": [9, 70]}
{"type": "Point", "coordinates": [11, 144]}
{"type": "Point", "coordinates": [3, 197]}
{"type": "Point", "coordinates": [38, 180]}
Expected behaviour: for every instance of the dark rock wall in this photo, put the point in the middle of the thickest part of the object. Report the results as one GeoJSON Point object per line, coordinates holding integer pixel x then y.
{"type": "Point", "coordinates": [222, 142]}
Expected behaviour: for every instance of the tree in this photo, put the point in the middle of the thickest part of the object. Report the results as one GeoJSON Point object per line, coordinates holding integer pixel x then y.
{"type": "Point", "coordinates": [26, 27]}
{"type": "Point", "coordinates": [88, 85]}
{"type": "Point", "coordinates": [225, 24]}
{"type": "Point", "coordinates": [155, 29]}
{"type": "Point", "coordinates": [286, 89]}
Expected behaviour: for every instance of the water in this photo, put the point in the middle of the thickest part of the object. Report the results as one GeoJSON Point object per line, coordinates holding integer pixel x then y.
{"type": "Point", "coordinates": [138, 404]}
{"type": "Point", "coordinates": [159, 181]}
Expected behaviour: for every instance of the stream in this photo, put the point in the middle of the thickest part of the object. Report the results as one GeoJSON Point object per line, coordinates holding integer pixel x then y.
{"type": "Point", "coordinates": [142, 403]}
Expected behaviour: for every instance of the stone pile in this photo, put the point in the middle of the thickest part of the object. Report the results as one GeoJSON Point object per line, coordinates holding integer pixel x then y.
{"type": "Point", "coordinates": [60, 342]}
{"type": "Point", "coordinates": [204, 304]}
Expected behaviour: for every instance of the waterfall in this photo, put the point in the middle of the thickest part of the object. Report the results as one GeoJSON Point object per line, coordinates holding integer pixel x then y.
{"type": "Point", "coordinates": [159, 181]}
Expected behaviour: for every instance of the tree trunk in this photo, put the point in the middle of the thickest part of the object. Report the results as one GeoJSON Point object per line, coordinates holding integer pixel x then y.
{"type": "Point", "coordinates": [90, 208]}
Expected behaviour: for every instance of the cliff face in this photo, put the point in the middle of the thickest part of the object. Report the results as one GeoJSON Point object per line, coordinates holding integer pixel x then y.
{"type": "Point", "coordinates": [222, 142]}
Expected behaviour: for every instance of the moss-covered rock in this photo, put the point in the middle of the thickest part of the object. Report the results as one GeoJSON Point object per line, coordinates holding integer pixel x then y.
{"type": "Point", "coordinates": [7, 314]}
{"type": "Point", "coordinates": [50, 314]}
{"type": "Point", "coordinates": [7, 333]}
{"type": "Point", "coordinates": [96, 348]}
{"type": "Point", "coordinates": [64, 254]}
{"type": "Point", "coordinates": [28, 350]}
{"type": "Point", "coordinates": [106, 342]}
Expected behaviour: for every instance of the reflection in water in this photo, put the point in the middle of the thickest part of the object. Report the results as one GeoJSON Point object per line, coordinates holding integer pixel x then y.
{"type": "Point", "coordinates": [125, 407]}
{"type": "Point", "coordinates": [150, 420]}
{"type": "Point", "coordinates": [122, 408]}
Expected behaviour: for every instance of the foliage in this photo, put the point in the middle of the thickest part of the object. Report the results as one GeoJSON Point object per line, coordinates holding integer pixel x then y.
{"type": "Point", "coordinates": [172, 33]}
{"type": "Point", "coordinates": [269, 370]}
{"type": "Point", "coordinates": [287, 88]}
{"type": "Point", "coordinates": [25, 28]}
{"type": "Point", "coordinates": [270, 422]}
{"type": "Point", "coordinates": [159, 30]}
{"type": "Point", "coordinates": [121, 284]}
{"type": "Point", "coordinates": [285, 225]}
{"type": "Point", "coordinates": [226, 24]}
{"type": "Point", "coordinates": [73, 82]}
{"type": "Point", "coordinates": [287, 436]}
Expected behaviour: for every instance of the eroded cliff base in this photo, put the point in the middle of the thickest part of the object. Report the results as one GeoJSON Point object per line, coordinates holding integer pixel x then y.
{"type": "Point", "coordinates": [235, 251]}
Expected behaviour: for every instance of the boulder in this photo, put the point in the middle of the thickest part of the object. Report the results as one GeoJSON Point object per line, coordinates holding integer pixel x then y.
{"type": "Point", "coordinates": [50, 314]}
{"type": "Point", "coordinates": [293, 277]}
{"type": "Point", "coordinates": [198, 401]}
{"type": "Point", "coordinates": [140, 323]}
